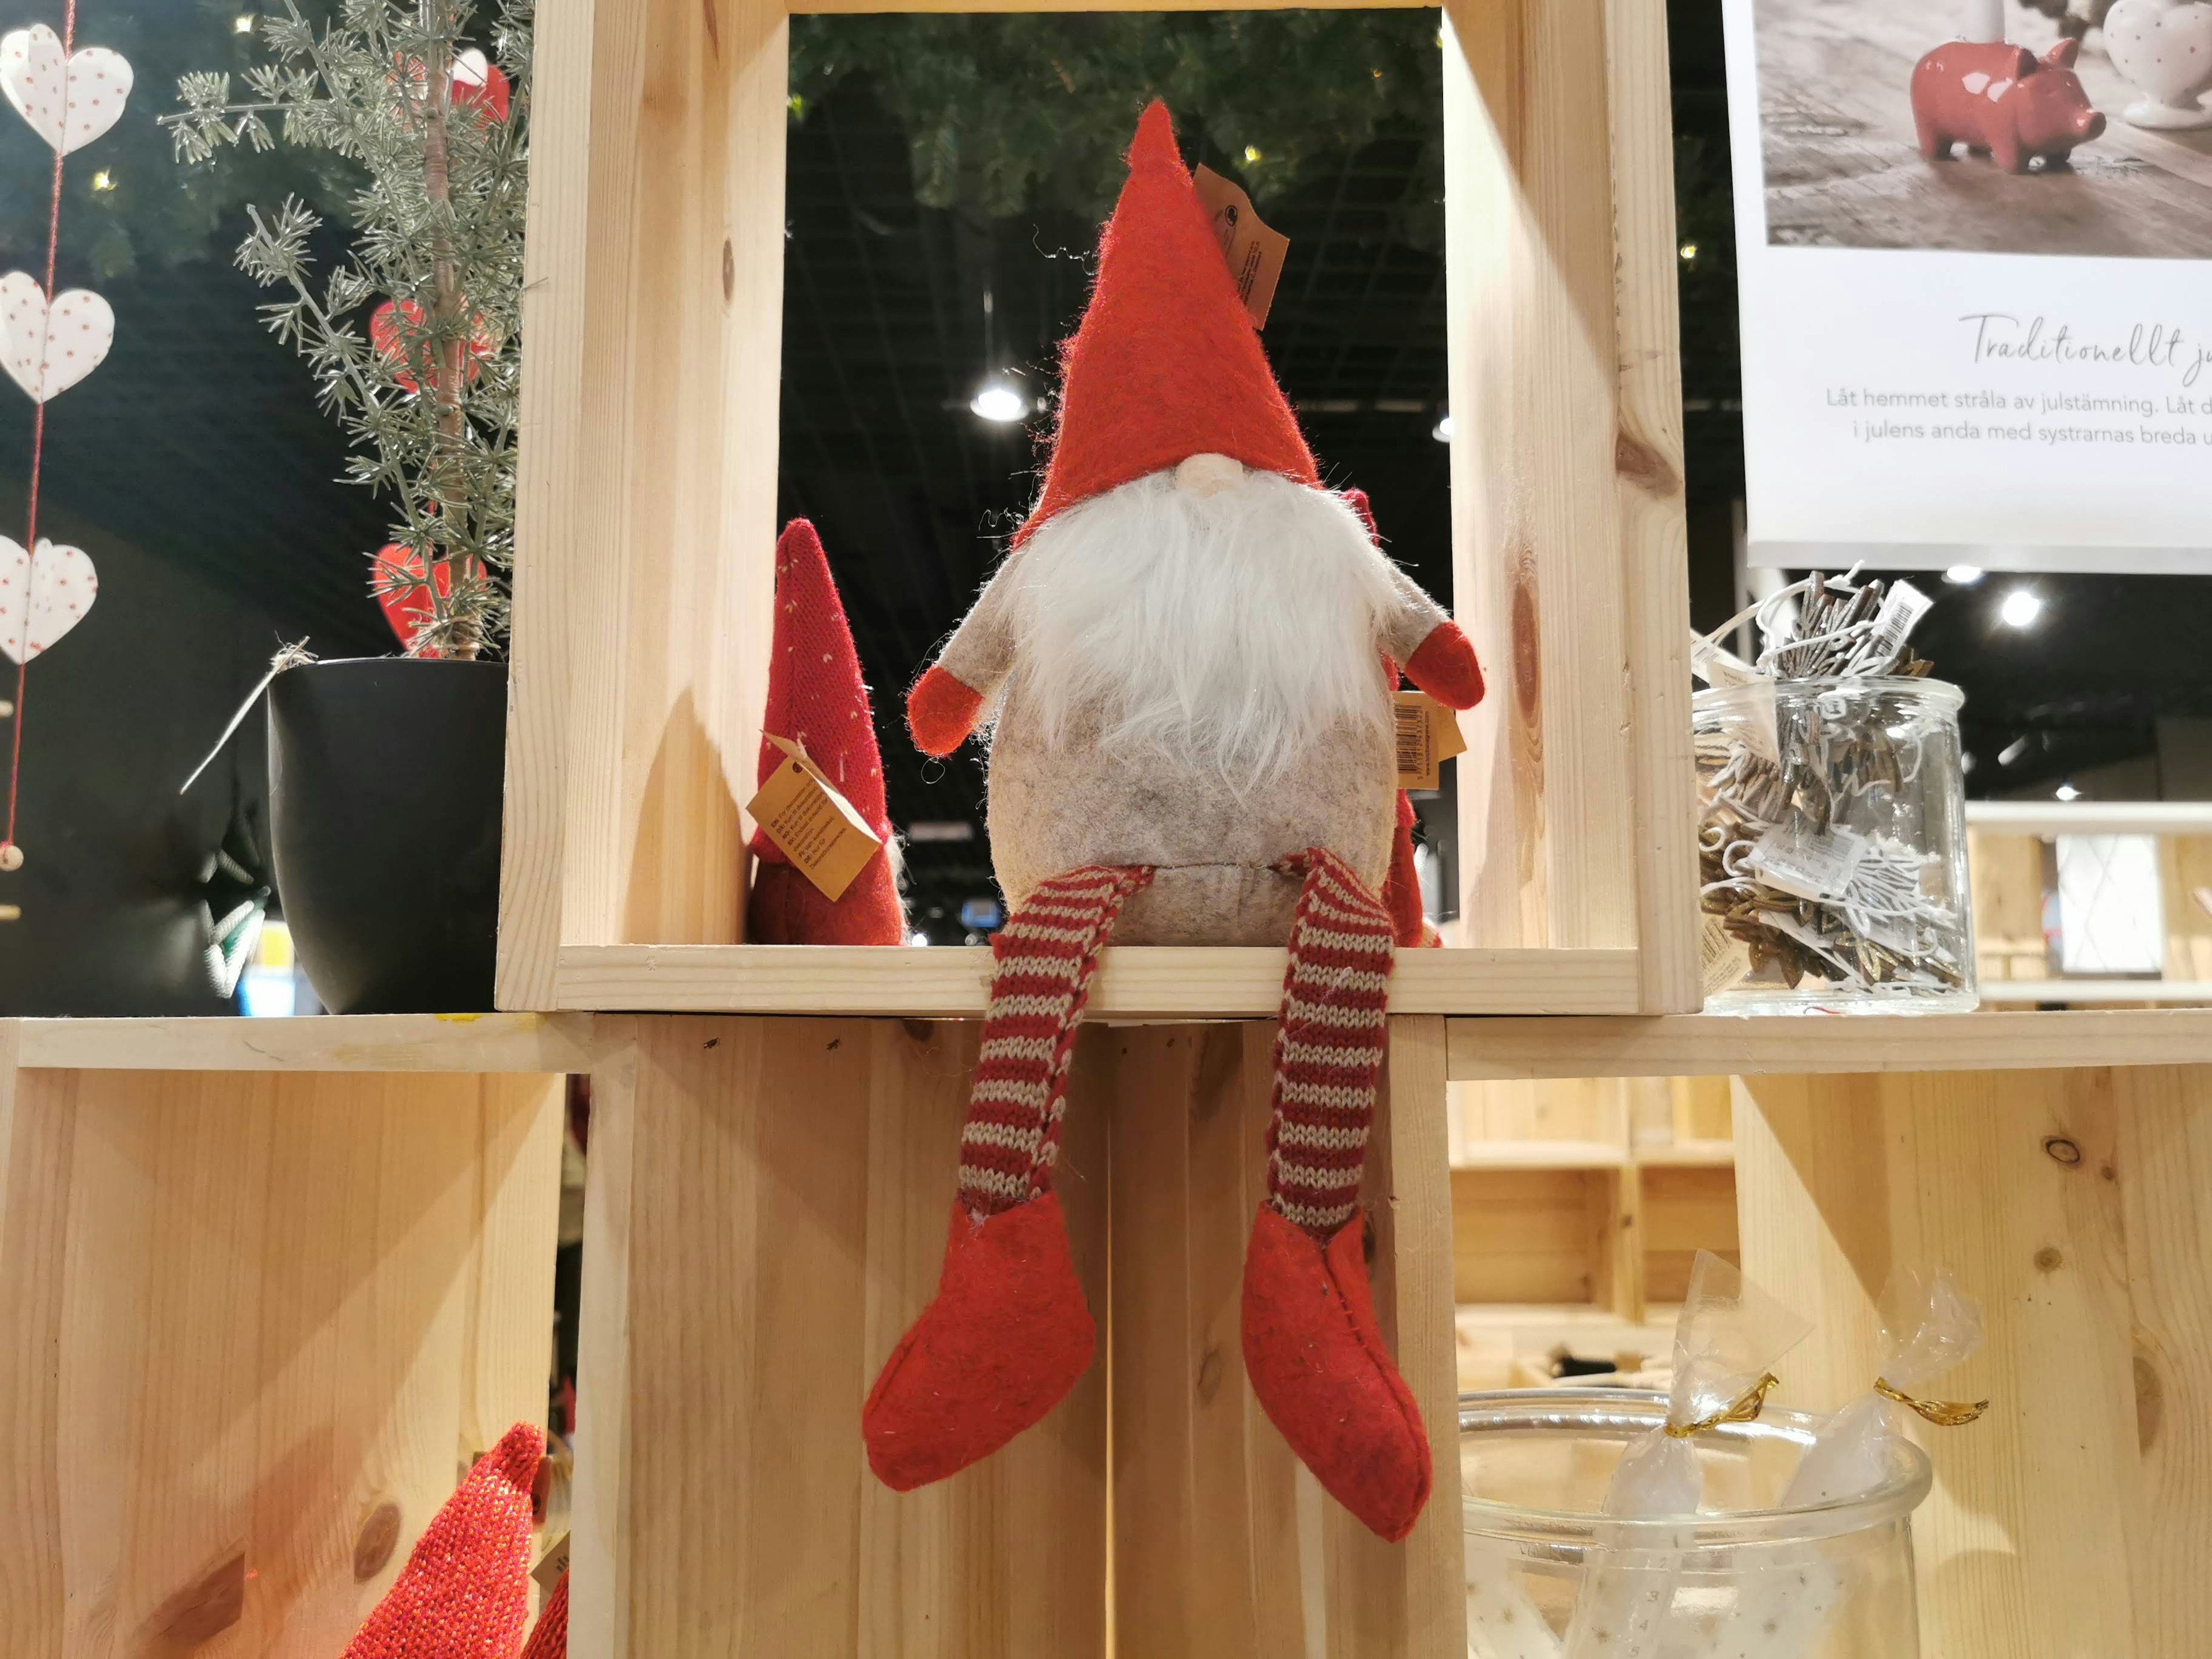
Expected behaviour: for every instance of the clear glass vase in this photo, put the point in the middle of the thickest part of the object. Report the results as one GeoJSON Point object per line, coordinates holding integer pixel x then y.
{"type": "Point", "coordinates": [1549, 1577]}
{"type": "Point", "coordinates": [1831, 845]}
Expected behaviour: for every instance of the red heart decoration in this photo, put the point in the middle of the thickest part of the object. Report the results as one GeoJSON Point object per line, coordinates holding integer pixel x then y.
{"type": "Point", "coordinates": [397, 584]}
{"type": "Point", "coordinates": [396, 346]}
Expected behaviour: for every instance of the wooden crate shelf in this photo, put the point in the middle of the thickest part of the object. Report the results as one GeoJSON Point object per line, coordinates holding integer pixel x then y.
{"type": "Point", "coordinates": [269, 1286]}
{"type": "Point", "coordinates": [1135, 982]}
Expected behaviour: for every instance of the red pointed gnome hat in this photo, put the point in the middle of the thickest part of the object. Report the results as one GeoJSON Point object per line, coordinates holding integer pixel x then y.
{"type": "Point", "coordinates": [815, 696]}
{"type": "Point", "coordinates": [464, 1592]}
{"type": "Point", "coordinates": [1166, 363]}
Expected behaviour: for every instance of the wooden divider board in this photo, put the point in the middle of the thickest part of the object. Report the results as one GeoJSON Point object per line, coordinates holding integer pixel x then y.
{"type": "Point", "coordinates": [256, 1326]}
{"type": "Point", "coordinates": [1223, 1545]}
{"type": "Point", "coordinates": [766, 1215]}
{"type": "Point", "coordinates": [2075, 1519]}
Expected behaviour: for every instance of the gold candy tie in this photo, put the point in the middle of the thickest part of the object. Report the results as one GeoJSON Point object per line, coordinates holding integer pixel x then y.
{"type": "Point", "coordinates": [1944, 1414]}
{"type": "Point", "coordinates": [1745, 1406]}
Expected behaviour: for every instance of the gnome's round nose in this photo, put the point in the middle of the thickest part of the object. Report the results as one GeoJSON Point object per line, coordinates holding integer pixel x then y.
{"type": "Point", "coordinates": [2090, 123]}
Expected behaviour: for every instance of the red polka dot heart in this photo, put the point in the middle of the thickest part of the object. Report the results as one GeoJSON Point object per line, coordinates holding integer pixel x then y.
{"type": "Point", "coordinates": [42, 599]}
{"type": "Point", "coordinates": [46, 350]}
{"type": "Point", "coordinates": [69, 101]}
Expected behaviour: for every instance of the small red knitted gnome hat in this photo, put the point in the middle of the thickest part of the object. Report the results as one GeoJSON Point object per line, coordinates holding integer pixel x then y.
{"type": "Point", "coordinates": [814, 693]}
{"type": "Point", "coordinates": [1166, 363]}
{"type": "Point", "coordinates": [464, 1592]}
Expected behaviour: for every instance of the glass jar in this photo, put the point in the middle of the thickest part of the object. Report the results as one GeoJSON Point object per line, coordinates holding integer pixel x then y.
{"type": "Point", "coordinates": [1831, 847]}
{"type": "Point", "coordinates": [1748, 1580]}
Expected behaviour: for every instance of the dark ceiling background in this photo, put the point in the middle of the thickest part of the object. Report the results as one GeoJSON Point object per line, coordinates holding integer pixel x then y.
{"type": "Point", "coordinates": [932, 161]}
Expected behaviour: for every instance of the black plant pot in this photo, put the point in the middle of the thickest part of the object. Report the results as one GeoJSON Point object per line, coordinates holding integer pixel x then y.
{"type": "Point", "coordinates": [385, 776]}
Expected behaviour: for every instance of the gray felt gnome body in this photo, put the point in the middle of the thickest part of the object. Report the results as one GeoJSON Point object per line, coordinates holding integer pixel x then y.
{"type": "Point", "coordinates": [1191, 654]}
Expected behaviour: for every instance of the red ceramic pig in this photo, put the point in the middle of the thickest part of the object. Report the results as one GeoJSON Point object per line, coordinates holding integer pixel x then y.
{"type": "Point", "coordinates": [2003, 99]}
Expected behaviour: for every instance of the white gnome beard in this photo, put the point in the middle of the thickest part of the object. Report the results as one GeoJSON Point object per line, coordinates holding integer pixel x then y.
{"type": "Point", "coordinates": [1227, 631]}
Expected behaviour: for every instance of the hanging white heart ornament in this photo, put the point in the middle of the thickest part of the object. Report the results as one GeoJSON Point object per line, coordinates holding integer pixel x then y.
{"type": "Point", "coordinates": [42, 599]}
{"type": "Point", "coordinates": [69, 101]}
{"type": "Point", "coordinates": [48, 349]}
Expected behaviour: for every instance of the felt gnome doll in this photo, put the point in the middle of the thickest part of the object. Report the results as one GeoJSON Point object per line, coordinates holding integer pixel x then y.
{"type": "Point", "coordinates": [1193, 746]}
{"type": "Point", "coordinates": [464, 1592]}
{"type": "Point", "coordinates": [816, 699]}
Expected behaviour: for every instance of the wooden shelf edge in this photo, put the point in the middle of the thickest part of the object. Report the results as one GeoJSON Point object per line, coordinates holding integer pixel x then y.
{"type": "Point", "coordinates": [1135, 982]}
{"type": "Point", "coordinates": [1511, 1154]}
{"type": "Point", "coordinates": [1709, 1045]}
{"type": "Point", "coordinates": [1686, 1155]}
{"type": "Point", "coordinates": [322, 1042]}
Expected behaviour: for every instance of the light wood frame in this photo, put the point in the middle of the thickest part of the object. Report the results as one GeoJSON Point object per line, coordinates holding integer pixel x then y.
{"type": "Point", "coordinates": [647, 501]}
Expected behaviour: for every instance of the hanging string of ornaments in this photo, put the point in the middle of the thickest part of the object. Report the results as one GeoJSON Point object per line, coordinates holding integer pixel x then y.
{"type": "Point", "coordinates": [48, 341]}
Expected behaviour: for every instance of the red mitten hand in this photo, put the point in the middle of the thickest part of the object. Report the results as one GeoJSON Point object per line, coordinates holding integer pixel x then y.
{"type": "Point", "coordinates": [941, 711]}
{"type": "Point", "coordinates": [1444, 667]}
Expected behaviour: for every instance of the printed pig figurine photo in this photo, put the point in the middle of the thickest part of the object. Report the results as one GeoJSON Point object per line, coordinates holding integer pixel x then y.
{"type": "Point", "coordinates": [2003, 99]}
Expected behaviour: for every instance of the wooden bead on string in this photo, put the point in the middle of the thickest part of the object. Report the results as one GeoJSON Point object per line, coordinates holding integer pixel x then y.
{"type": "Point", "coordinates": [11, 857]}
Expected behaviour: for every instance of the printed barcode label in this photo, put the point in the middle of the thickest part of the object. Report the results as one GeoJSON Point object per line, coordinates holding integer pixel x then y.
{"type": "Point", "coordinates": [1813, 864]}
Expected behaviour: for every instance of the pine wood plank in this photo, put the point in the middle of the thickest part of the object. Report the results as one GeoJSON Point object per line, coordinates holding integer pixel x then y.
{"type": "Point", "coordinates": [1648, 470]}
{"type": "Point", "coordinates": [1722, 1044]}
{"type": "Point", "coordinates": [1538, 532]}
{"type": "Point", "coordinates": [248, 1312]}
{"type": "Point", "coordinates": [347, 1042]}
{"type": "Point", "coordinates": [2029, 1546]}
{"type": "Point", "coordinates": [772, 1216]}
{"type": "Point", "coordinates": [1149, 981]}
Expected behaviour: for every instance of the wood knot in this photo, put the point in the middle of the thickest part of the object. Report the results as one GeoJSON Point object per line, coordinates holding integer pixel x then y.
{"type": "Point", "coordinates": [1209, 1374]}
{"type": "Point", "coordinates": [1528, 653]}
{"type": "Point", "coordinates": [729, 268]}
{"type": "Point", "coordinates": [1642, 465]}
{"type": "Point", "coordinates": [2150, 1401]}
{"type": "Point", "coordinates": [204, 1609]}
{"type": "Point", "coordinates": [921, 1030]}
{"type": "Point", "coordinates": [2048, 1260]}
{"type": "Point", "coordinates": [373, 1544]}
{"type": "Point", "coordinates": [2061, 1150]}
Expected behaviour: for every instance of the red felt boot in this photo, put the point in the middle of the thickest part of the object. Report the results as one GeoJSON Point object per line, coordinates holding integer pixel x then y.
{"type": "Point", "coordinates": [1005, 1340]}
{"type": "Point", "coordinates": [1008, 1333]}
{"type": "Point", "coordinates": [1312, 1346]}
{"type": "Point", "coordinates": [464, 1592]}
{"type": "Point", "coordinates": [1317, 1363]}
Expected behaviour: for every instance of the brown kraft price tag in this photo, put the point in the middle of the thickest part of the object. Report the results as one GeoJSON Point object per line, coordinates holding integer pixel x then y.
{"type": "Point", "coordinates": [811, 824]}
{"type": "Point", "coordinates": [548, 1571]}
{"type": "Point", "coordinates": [1255, 252]}
{"type": "Point", "coordinates": [1427, 735]}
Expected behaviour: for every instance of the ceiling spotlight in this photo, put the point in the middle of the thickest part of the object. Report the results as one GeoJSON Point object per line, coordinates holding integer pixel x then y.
{"type": "Point", "coordinates": [2068, 791]}
{"type": "Point", "coordinates": [1963, 575]}
{"type": "Point", "coordinates": [1688, 251]}
{"type": "Point", "coordinates": [2021, 608]}
{"type": "Point", "coordinates": [243, 24]}
{"type": "Point", "coordinates": [103, 181]}
{"type": "Point", "coordinates": [2012, 751]}
{"type": "Point", "coordinates": [1443, 430]}
{"type": "Point", "coordinates": [999, 399]}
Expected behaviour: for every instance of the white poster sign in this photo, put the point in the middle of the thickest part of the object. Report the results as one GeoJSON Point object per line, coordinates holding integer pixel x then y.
{"type": "Point", "coordinates": [1977, 313]}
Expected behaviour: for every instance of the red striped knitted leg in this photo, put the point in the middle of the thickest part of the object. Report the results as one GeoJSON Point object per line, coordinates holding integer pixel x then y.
{"type": "Point", "coordinates": [1008, 1333]}
{"type": "Point", "coordinates": [1312, 1349]}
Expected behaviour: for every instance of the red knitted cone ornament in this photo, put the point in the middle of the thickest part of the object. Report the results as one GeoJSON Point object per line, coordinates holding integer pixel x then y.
{"type": "Point", "coordinates": [815, 698]}
{"type": "Point", "coordinates": [1166, 363]}
{"type": "Point", "coordinates": [464, 1592]}
{"type": "Point", "coordinates": [549, 1638]}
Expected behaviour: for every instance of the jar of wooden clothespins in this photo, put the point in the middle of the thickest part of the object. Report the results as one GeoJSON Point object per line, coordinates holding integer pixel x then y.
{"type": "Point", "coordinates": [1831, 845]}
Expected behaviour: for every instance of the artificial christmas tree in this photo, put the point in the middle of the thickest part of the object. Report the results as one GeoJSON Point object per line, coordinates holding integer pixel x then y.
{"type": "Point", "coordinates": [1193, 746]}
